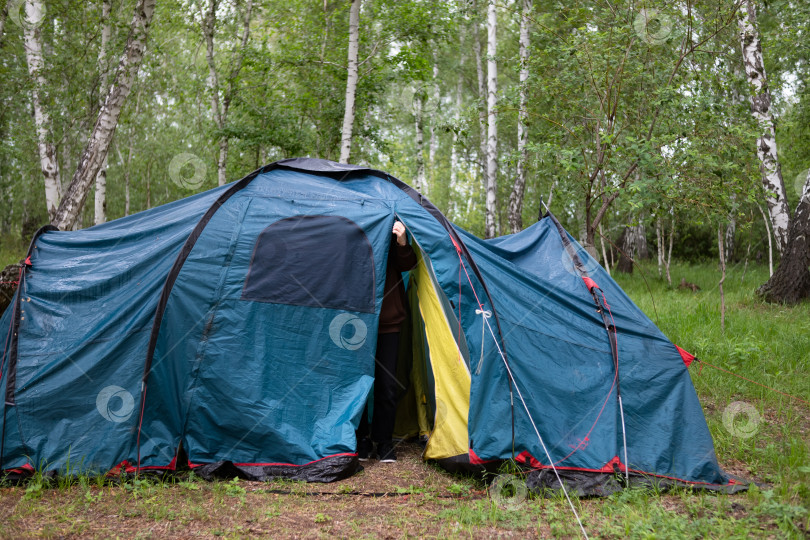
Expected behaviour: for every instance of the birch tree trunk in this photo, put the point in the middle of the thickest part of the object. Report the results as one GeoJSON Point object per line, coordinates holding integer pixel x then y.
{"type": "Point", "coordinates": [659, 244]}
{"type": "Point", "coordinates": [99, 141]}
{"type": "Point", "coordinates": [761, 109]}
{"type": "Point", "coordinates": [454, 162]}
{"type": "Point", "coordinates": [434, 142]}
{"type": "Point", "coordinates": [482, 93]}
{"type": "Point", "coordinates": [722, 257]}
{"type": "Point", "coordinates": [791, 282]}
{"type": "Point", "coordinates": [351, 81]}
{"type": "Point", "coordinates": [221, 98]}
{"type": "Point", "coordinates": [101, 177]}
{"type": "Point", "coordinates": [669, 252]}
{"type": "Point", "coordinates": [47, 150]}
{"type": "Point", "coordinates": [516, 197]}
{"type": "Point", "coordinates": [418, 104]}
{"type": "Point", "coordinates": [492, 126]}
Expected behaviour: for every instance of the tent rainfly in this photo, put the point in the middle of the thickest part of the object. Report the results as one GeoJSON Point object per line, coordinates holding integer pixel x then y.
{"type": "Point", "coordinates": [234, 332]}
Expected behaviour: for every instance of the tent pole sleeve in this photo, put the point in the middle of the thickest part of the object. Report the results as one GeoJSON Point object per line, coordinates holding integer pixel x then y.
{"type": "Point", "coordinates": [171, 277]}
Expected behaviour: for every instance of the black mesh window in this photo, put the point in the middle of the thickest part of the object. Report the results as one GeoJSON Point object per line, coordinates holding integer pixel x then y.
{"type": "Point", "coordinates": [318, 261]}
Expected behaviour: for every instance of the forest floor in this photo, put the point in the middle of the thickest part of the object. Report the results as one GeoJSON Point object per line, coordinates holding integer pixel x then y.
{"type": "Point", "coordinates": [759, 434]}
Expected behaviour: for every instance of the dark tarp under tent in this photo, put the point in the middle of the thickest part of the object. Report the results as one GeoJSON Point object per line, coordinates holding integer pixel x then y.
{"type": "Point", "coordinates": [240, 325]}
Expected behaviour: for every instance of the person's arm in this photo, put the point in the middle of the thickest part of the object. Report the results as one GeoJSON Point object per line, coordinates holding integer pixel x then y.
{"type": "Point", "coordinates": [405, 256]}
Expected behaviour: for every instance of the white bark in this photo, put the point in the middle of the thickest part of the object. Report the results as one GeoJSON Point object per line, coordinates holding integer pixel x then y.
{"type": "Point", "coordinates": [47, 150]}
{"type": "Point", "coordinates": [221, 98]}
{"type": "Point", "coordinates": [351, 82]}
{"type": "Point", "coordinates": [482, 93]}
{"type": "Point", "coordinates": [418, 103]}
{"type": "Point", "coordinates": [518, 190]}
{"type": "Point", "coordinates": [761, 109]}
{"type": "Point", "coordinates": [492, 127]}
{"type": "Point", "coordinates": [659, 244]}
{"type": "Point", "coordinates": [454, 161]}
{"type": "Point", "coordinates": [669, 252]}
{"type": "Point", "coordinates": [434, 143]}
{"type": "Point", "coordinates": [99, 141]}
{"type": "Point", "coordinates": [101, 177]}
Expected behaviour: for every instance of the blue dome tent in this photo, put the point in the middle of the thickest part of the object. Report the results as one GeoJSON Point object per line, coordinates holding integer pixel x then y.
{"type": "Point", "coordinates": [237, 327]}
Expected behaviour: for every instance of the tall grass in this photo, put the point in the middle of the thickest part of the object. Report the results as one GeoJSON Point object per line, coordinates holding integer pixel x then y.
{"type": "Point", "coordinates": [769, 344]}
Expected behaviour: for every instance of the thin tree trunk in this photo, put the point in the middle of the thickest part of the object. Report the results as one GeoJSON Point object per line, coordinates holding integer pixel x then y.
{"type": "Point", "coordinates": [99, 141]}
{"type": "Point", "coordinates": [434, 141]}
{"type": "Point", "coordinates": [731, 230]}
{"type": "Point", "coordinates": [482, 94]}
{"type": "Point", "coordinates": [351, 81]}
{"type": "Point", "coordinates": [551, 193]}
{"type": "Point", "coordinates": [220, 109]}
{"type": "Point", "coordinates": [47, 150]}
{"type": "Point", "coordinates": [791, 282]}
{"type": "Point", "coordinates": [641, 240]}
{"type": "Point", "coordinates": [454, 191]}
{"type": "Point", "coordinates": [492, 125]}
{"type": "Point", "coordinates": [420, 138]}
{"type": "Point", "coordinates": [659, 244]}
{"type": "Point", "coordinates": [101, 177]}
{"type": "Point", "coordinates": [518, 190]}
{"type": "Point", "coordinates": [669, 252]}
{"type": "Point", "coordinates": [761, 109]}
{"type": "Point", "coordinates": [722, 257]}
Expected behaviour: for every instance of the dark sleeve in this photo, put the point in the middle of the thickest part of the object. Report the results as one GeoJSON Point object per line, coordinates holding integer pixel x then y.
{"type": "Point", "coordinates": [405, 257]}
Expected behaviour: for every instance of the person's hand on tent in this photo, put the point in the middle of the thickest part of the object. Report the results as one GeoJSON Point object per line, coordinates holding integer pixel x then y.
{"type": "Point", "coordinates": [399, 232]}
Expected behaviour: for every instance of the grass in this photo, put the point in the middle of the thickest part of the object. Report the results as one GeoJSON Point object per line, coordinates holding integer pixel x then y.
{"type": "Point", "coordinates": [769, 344]}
